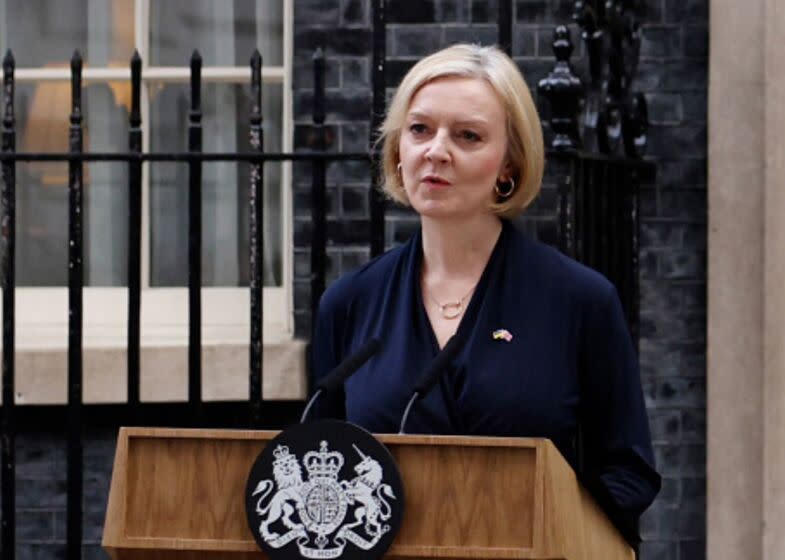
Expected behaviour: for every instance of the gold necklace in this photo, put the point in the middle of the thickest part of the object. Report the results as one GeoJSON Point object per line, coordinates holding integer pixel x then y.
{"type": "Point", "coordinates": [451, 309]}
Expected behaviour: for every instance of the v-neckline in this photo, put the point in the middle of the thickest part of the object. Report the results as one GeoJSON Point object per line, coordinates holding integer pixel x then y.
{"type": "Point", "coordinates": [475, 301]}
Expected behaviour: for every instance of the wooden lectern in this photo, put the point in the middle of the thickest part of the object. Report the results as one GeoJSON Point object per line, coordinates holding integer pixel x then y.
{"type": "Point", "coordinates": [179, 494]}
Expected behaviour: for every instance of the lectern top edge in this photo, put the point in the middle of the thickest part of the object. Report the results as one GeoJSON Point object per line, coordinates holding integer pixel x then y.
{"type": "Point", "coordinates": [266, 435]}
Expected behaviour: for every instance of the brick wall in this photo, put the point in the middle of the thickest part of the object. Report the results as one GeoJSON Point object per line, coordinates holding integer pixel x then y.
{"type": "Point", "coordinates": [673, 74]}
{"type": "Point", "coordinates": [41, 490]}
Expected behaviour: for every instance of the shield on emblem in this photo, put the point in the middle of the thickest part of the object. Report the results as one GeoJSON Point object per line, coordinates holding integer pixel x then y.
{"type": "Point", "coordinates": [324, 489]}
{"type": "Point", "coordinates": [324, 506]}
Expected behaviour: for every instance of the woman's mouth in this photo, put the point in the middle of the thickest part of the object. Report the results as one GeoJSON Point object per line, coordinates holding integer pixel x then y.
{"type": "Point", "coordinates": [435, 181]}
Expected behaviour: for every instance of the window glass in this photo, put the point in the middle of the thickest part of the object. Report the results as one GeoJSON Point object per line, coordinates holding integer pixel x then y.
{"type": "Point", "coordinates": [42, 124]}
{"type": "Point", "coordinates": [45, 33]}
{"type": "Point", "coordinates": [226, 110]}
{"type": "Point", "coordinates": [225, 33]}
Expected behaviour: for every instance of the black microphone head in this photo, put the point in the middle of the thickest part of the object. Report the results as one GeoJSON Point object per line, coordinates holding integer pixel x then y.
{"type": "Point", "coordinates": [346, 368]}
{"type": "Point", "coordinates": [441, 361]}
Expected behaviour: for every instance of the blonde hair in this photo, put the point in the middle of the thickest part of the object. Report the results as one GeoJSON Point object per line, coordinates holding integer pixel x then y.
{"type": "Point", "coordinates": [525, 149]}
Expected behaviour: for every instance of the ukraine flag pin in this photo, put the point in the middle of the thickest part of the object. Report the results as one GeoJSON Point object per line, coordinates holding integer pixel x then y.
{"type": "Point", "coordinates": [502, 334]}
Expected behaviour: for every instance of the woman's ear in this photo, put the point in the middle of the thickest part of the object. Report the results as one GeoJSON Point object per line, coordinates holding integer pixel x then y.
{"type": "Point", "coordinates": [506, 172]}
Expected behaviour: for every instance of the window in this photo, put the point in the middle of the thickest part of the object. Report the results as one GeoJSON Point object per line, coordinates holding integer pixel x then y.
{"type": "Point", "coordinates": [43, 35]}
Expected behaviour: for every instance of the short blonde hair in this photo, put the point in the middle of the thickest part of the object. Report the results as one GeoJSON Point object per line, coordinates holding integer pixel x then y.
{"type": "Point", "coordinates": [525, 149]}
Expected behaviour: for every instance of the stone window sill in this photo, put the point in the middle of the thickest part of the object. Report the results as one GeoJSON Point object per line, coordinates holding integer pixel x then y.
{"type": "Point", "coordinates": [41, 374]}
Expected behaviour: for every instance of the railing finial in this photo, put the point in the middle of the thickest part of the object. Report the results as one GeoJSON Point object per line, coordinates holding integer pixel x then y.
{"type": "Point", "coordinates": [196, 87]}
{"type": "Point", "coordinates": [256, 87]}
{"type": "Point", "coordinates": [8, 91]}
{"type": "Point", "coordinates": [8, 61]}
{"type": "Point", "coordinates": [563, 89]}
{"type": "Point", "coordinates": [76, 88]}
{"type": "Point", "coordinates": [614, 117]}
{"type": "Point", "coordinates": [136, 87]}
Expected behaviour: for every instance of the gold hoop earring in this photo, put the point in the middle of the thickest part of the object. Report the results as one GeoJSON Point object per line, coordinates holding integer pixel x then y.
{"type": "Point", "coordinates": [506, 192]}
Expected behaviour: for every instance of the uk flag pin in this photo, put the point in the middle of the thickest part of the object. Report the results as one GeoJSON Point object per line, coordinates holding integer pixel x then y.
{"type": "Point", "coordinates": [502, 334]}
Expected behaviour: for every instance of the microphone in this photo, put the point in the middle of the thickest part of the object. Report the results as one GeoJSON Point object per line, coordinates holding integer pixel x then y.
{"type": "Point", "coordinates": [343, 371]}
{"type": "Point", "coordinates": [431, 374]}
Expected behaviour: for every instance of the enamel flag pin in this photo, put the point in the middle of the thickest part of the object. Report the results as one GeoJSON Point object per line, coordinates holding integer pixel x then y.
{"type": "Point", "coordinates": [502, 334]}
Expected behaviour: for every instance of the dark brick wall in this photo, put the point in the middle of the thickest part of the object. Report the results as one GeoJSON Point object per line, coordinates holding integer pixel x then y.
{"type": "Point", "coordinates": [41, 490]}
{"type": "Point", "coordinates": [673, 75]}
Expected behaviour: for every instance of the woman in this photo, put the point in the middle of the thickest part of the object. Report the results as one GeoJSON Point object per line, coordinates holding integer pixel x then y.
{"type": "Point", "coordinates": [545, 347]}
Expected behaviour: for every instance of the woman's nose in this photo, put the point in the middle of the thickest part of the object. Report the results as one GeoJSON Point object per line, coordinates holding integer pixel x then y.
{"type": "Point", "coordinates": [438, 150]}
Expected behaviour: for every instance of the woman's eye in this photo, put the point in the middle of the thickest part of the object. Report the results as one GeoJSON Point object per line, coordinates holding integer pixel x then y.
{"type": "Point", "coordinates": [417, 128]}
{"type": "Point", "coordinates": [470, 136]}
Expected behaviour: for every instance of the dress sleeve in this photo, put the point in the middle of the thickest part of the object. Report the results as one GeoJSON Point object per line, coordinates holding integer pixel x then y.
{"type": "Point", "coordinates": [326, 353]}
{"type": "Point", "coordinates": [618, 460]}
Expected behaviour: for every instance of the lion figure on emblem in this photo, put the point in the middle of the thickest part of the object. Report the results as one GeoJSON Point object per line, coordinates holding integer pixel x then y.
{"type": "Point", "coordinates": [367, 489]}
{"type": "Point", "coordinates": [288, 480]}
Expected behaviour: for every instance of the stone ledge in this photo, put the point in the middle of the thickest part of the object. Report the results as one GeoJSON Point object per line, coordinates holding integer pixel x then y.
{"type": "Point", "coordinates": [41, 374]}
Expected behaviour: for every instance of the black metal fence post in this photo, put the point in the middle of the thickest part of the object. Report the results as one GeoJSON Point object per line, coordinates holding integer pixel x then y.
{"type": "Point", "coordinates": [590, 222]}
{"type": "Point", "coordinates": [8, 229]}
{"type": "Point", "coordinates": [378, 60]}
{"type": "Point", "coordinates": [580, 210]}
{"type": "Point", "coordinates": [75, 284]}
{"type": "Point", "coordinates": [614, 224]}
{"type": "Point", "coordinates": [134, 236]}
{"type": "Point", "coordinates": [603, 192]}
{"type": "Point", "coordinates": [566, 210]}
{"type": "Point", "coordinates": [318, 190]}
{"type": "Point", "coordinates": [504, 25]}
{"type": "Point", "coordinates": [256, 223]}
{"type": "Point", "coordinates": [632, 217]}
{"type": "Point", "coordinates": [195, 239]}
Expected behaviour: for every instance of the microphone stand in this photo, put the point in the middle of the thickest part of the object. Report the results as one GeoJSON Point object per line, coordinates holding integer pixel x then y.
{"type": "Point", "coordinates": [415, 396]}
{"type": "Point", "coordinates": [310, 405]}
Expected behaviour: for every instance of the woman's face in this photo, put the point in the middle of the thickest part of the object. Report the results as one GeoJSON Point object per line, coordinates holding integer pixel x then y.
{"type": "Point", "coordinates": [452, 148]}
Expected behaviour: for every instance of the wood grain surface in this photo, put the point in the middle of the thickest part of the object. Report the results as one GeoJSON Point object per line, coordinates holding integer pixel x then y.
{"type": "Point", "coordinates": [467, 496]}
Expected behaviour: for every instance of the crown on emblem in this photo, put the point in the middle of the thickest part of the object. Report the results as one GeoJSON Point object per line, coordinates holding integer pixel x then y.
{"type": "Point", "coordinates": [324, 463]}
{"type": "Point", "coordinates": [281, 454]}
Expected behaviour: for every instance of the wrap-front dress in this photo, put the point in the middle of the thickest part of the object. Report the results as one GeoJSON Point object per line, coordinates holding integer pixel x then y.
{"type": "Point", "coordinates": [561, 361]}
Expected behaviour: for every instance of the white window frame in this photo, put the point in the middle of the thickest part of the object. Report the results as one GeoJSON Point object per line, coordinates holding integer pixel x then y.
{"type": "Point", "coordinates": [42, 313]}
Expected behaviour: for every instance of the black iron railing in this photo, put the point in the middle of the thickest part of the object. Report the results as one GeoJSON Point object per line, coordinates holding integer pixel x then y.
{"type": "Point", "coordinates": [597, 216]}
{"type": "Point", "coordinates": [8, 232]}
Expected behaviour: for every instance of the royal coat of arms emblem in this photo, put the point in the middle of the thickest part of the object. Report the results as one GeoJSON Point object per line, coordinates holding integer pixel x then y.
{"type": "Point", "coordinates": [320, 514]}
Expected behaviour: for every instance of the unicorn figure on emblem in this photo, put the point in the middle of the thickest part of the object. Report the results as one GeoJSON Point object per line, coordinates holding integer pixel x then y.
{"type": "Point", "coordinates": [367, 489]}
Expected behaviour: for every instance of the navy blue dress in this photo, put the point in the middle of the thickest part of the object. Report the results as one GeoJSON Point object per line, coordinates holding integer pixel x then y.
{"type": "Point", "coordinates": [570, 360]}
